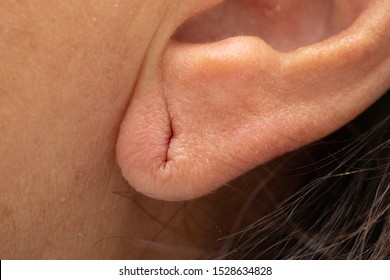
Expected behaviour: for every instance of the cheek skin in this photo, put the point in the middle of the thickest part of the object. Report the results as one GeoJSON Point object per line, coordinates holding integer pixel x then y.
{"type": "Point", "coordinates": [65, 91]}
{"type": "Point", "coordinates": [66, 77]}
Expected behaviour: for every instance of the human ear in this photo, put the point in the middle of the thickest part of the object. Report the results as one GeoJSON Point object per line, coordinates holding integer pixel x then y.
{"type": "Point", "coordinates": [216, 105]}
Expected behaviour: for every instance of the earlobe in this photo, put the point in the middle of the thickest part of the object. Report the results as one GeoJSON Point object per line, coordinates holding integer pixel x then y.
{"type": "Point", "coordinates": [212, 111]}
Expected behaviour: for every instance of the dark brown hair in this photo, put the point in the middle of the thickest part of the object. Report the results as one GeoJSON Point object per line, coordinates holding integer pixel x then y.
{"type": "Point", "coordinates": [341, 209]}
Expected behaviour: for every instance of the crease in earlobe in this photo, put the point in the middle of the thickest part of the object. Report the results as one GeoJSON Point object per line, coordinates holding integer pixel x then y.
{"type": "Point", "coordinates": [211, 111]}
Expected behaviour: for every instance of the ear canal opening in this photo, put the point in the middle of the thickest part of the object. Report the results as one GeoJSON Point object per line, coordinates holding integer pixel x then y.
{"type": "Point", "coordinates": [283, 24]}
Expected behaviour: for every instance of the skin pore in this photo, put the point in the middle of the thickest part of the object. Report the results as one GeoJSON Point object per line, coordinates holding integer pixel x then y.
{"type": "Point", "coordinates": [69, 72]}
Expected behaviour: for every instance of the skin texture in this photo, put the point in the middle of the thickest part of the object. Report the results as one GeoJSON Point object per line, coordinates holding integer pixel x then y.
{"type": "Point", "coordinates": [76, 76]}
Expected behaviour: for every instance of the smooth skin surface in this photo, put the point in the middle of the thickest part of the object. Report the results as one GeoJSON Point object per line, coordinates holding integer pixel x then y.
{"type": "Point", "coordinates": [76, 75]}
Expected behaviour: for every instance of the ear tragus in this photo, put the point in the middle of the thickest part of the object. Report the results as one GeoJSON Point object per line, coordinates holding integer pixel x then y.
{"type": "Point", "coordinates": [212, 111]}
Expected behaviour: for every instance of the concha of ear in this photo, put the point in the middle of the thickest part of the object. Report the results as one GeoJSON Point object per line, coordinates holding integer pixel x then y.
{"type": "Point", "coordinates": [284, 24]}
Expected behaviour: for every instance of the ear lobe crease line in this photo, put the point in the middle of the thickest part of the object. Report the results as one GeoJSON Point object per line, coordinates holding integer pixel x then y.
{"type": "Point", "coordinates": [168, 160]}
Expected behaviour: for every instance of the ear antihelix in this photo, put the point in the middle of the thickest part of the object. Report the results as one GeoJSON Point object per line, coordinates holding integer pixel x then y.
{"type": "Point", "coordinates": [211, 111]}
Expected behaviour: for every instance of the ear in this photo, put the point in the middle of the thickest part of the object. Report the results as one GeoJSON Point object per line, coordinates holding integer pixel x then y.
{"type": "Point", "coordinates": [217, 105]}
